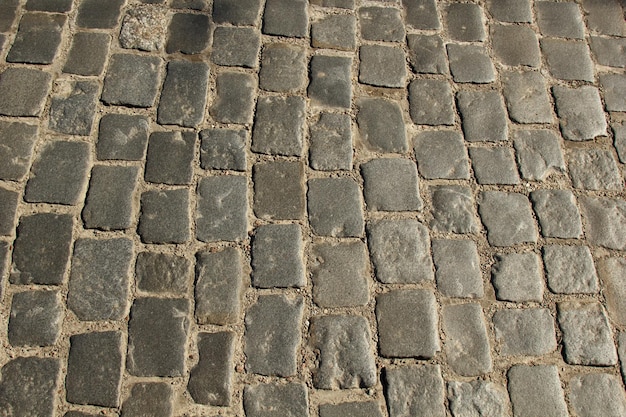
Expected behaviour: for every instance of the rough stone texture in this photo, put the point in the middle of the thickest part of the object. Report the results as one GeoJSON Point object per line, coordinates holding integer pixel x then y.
{"type": "Point", "coordinates": [606, 220]}
{"type": "Point", "coordinates": [235, 46]}
{"type": "Point", "coordinates": [330, 143]}
{"type": "Point", "coordinates": [286, 18]}
{"type": "Point", "coordinates": [283, 68]}
{"type": "Point", "coordinates": [538, 153]}
{"type": "Point", "coordinates": [87, 54]}
{"type": "Point", "coordinates": [557, 213]}
{"type": "Point", "coordinates": [622, 352]}
{"type": "Point", "coordinates": [273, 400]}
{"type": "Point", "coordinates": [273, 335]}
{"type": "Point", "coordinates": [427, 54]}
{"type": "Point", "coordinates": [441, 155]}
{"type": "Point", "coordinates": [18, 101]}
{"type": "Point", "coordinates": [400, 251]}
{"type": "Point", "coordinates": [29, 386]}
{"type": "Point", "coordinates": [352, 409]}
{"type": "Point", "coordinates": [223, 149]}
{"type": "Point", "coordinates": [612, 271]}
{"type": "Point", "coordinates": [594, 169]}
{"type": "Point", "coordinates": [597, 394]}
{"type": "Point", "coordinates": [96, 14]}
{"type": "Point", "coordinates": [8, 208]}
{"type": "Point", "coordinates": [477, 398]}
{"type": "Point", "coordinates": [123, 137]}
{"type": "Point", "coordinates": [94, 369]}
{"type": "Point", "coordinates": [422, 14]}
{"type": "Point", "coordinates": [54, 6]}
{"type": "Point", "coordinates": [453, 209]}
{"type": "Point", "coordinates": [222, 208]}
{"type": "Point", "coordinates": [184, 94]}
{"type": "Point", "coordinates": [407, 324]}
{"type": "Point", "coordinates": [17, 141]}
{"type": "Point", "coordinates": [614, 87]}
{"type": "Point", "coordinates": [163, 273]}
{"type": "Point", "coordinates": [210, 381]}
{"type": "Point", "coordinates": [188, 33]}
{"type": "Point", "coordinates": [580, 112]}
{"type": "Point", "coordinates": [587, 335]}
{"type": "Point", "coordinates": [526, 97]}
{"type": "Point", "coordinates": [619, 142]}
{"type": "Point", "coordinates": [236, 12]}
{"type": "Point", "coordinates": [279, 125]}
{"type": "Point", "coordinates": [483, 116]}
{"type": "Point", "coordinates": [331, 83]}
{"type": "Point", "coordinates": [457, 268]}
{"type": "Point", "coordinates": [515, 45]}
{"type": "Point", "coordinates": [164, 216]}
{"type": "Point", "coordinates": [37, 38]}
{"type": "Point", "coordinates": [507, 217]}
{"type": "Point", "coordinates": [149, 398]}
{"type": "Point", "coordinates": [381, 125]}
{"type": "Point", "coordinates": [132, 80]}
{"type": "Point", "coordinates": [562, 20]}
{"type": "Point", "coordinates": [559, 54]}
{"type": "Point", "coordinates": [334, 32]}
{"type": "Point", "coordinates": [604, 17]}
{"type": "Point", "coordinates": [536, 391]}
{"type": "Point", "coordinates": [525, 331]}
{"type": "Point", "coordinates": [279, 190]}
{"type": "Point", "coordinates": [391, 184]}
{"type": "Point", "coordinates": [465, 22]}
{"type": "Point", "coordinates": [517, 277]}
{"type": "Point", "coordinates": [609, 51]}
{"type": "Point", "coordinates": [335, 207]}
{"type": "Point", "coordinates": [415, 391]}
{"type": "Point", "coordinates": [431, 102]}
{"type": "Point", "coordinates": [35, 318]}
{"type": "Point", "coordinates": [343, 4]}
{"type": "Point", "coordinates": [235, 98]}
{"type": "Point", "coordinates": [470, 64]}
{"type": "Point", "coordinates": [219, 286]}
{"type": "Point", "coordinates": [339, 274]}
{"type": "Point", "coordinates": [570, 269]}
{"type": "Point", "coordinates": [494, 165]}
{"type": "Point", "coordinates": [143, 28]}
{"type": "Point", "coordinates": [277, 256]}
{"type": "Point", "coordinates": [382, 66]}
{"type": "Point", "coordinates": [9, 11]}
{"type": "Point", "coordinates": [381, 24]}
{"type": "Point", "coordinates": [510, 10]}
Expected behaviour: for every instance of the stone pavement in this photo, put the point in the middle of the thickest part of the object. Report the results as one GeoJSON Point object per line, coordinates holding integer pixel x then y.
{"type": "Point", "coordinates": [312, 208]}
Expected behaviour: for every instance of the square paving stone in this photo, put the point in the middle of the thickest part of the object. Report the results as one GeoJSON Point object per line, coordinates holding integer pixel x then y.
{"type": "Point", "coordinates": [278, 125]}
{"type": "Point", "coordinates": [96, 14]}
{"type": "Point", "coordinates": [15, 100]}
{"type": "Point", "coordinates": [536, 390]}
{"type": "Point", "coordinates": [157, 337]}
{"type": "Point", "coordinates": [570, 269]}
{"type": "Point", "coordinates": [587, 335]}
{"type": "Point", "coordinates": [272, 335]}
{"type": "Point", "coordinates": [352, 409]}
{"type": "Point", "coordinates": [54, 6]}
{"type": "Point", "coordinates": [164, 216]}
{"type": "Point", "coordinates": [330, 143]}
{"type": "Point", "coordinates": [526, 97]}
{"type": "Point", "coordinates": [237, 47]}
{"type": "Point", "coordinates": [517, 277]}
{"type": "Point", "coordinates": [170, 157]}
{"type": "Point", "coordinates": [400, 251]}
{"type": "Point", "coordinates": [427, 54]}
{"type": "Point", "coordinates": [342, 4]}
{"type": "Point", "coordinates": [9, 11]}
{"type": "Point", "coordinates": [144, 28]}
{"type": "Point", "coordinates": [470, 64]}
{"type": "Point", "coordinates": [184, 94]}
{"type": "Point", "coordinates": [421, 14]}
{"type": "Point", "coordinates": [457, 268]}
{"type": "Point", "coordinates": [431, 102]}
{"type": "Point", "coordinates": [35, 318]}
{"type": "Point", "coordinates": [123, 137]}
{"type": "Point", "coordinates": [453, 209]}
{"type": "Point", "coordinates": [538, 153]}
{"type": "Point", "coordinates": [483, 116]}
{"type": "Point", "coordinates": [335, 207]}
{"type": "Point", "coordinates": [391, 184]}
{"type": "Point", "coordinates": [210, 380]}
{"type": "Point", "coordinates": [614, 87]}
{"type": "Point", "coordinates": [188, 33]}
{"type": "Point", "coordinates": [334, 32]}
{"type": "Point", "coordinates": [283, 67]}
{"type": "Point", "coordinates": [510, 10]}
{"type": "Point", "coordinates": [594, 169]}
{"type": "Point", "coordinates": [580, 112]}
{"type": "Point", "coordinates": [494, 165]}
{"type": "Point", "coordinates": [277, 256]}
{"type": "Point", "coordinates": [37, 39]}
{"type": "Point", "coordinates": [163, 273]}
{"type": "Point", "coordinates": [29, 386]}
{"type": "Point", "coordinates": [507, 217]}
{"type": "Point", "coordinates": [109, 202]}
{"type": "Point", "coordinates": [568, 60]}
{"type": "Point", "coordinates": [477, 397]}
{"type": "Point", "coordinates": [345, 359]}
{"type": "Point", "coordinates": [562, 20]}
{"type": "Point", "coordinates": [219, 284]}
{"type": "Point", "coordinates": [279, 190]}
{"type": "Point", "coordinates": [267, 399]}
{"type": "Point", "coordinates": [407, 324]}
{"type": "Point", "coordinates": [515, 45]}
{"type": "Point", "coordinates": [223, 149]}
{"type": "Point", "coordinates": [131, 80]}
{"type": "Point", "coordinates": [381, 125]}
{"type": "Point", "coordinates": [87, 53]}
{"type": "Point", "coordinates": [331, 81]}
{"type": "Point", "coordinates": [465, 22]}
{"type": "Point", "coordinates": [611, 271]}
{"type": "Point", "coordinates": [222, 208]}
{"type": "Point", "coordinates": [8, 208]}
{"type": "Point", "coordinates": [17, 141]}
{"type": "Point", "coordinates": [415, 391]}
{"type": "Point", "coordinates": [609, 51]}
{"type": "Point", "coordinates": [286, 18]}
{"type": "Point", "coordinates": [151, 398]}
{"type": "Point", "coordinates": [441, 154]}
{"type": "Point", "coordinates": [604, 17]}
{"type": "Point", "coordinates": [597, 394]}
{"type": "Point", "coordinates": [41, 249]}
{"type": "Point", "coordinates": [557, 213]}
{"type": "Point", "coordinates": [606, 221]}
{"type": "Point", "coordinates": [382, 66]}
{"type": "Point", "coordinates": [381, 24]}
{"type": "Point", "coordinates": [525, 331]}
{"type": "Point", "coordinates": [235, 98]}
{"type": "Point", "coordinates": [73, 109]}
{"type": "Point", "coordinates": [94, 369]}
{"type": "Point", "coordinates": [236, 12]}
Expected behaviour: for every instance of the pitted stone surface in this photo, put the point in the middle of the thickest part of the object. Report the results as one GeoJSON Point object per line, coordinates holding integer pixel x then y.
{"type": "Point", "coordinates": [144, 28]}
{"type": "Point", "coordinates": [210, 381]}
{"type": "Point", "coordinates": [381, 125]}
{"type": "Point", "coordinates": [441, 155]}
{"type": "Point", "coordinates": [570, 269]}
{"type": "Point", "coordinates": [415, 391]}
{"type": "Point", "coordinates": [431, 102]}
{"type": "Point", "coordinates": [28, 386]}
{"type": "Point", "coordinates": [277, 256]}
{"type": "Point", "coordinates": [223, 149]}
{"type": "Point", "coordinates": [222, 208]}
{"type": "Point", "coordinates": [477, 398]}
{"type": "Point", "coordinates": [17, 141]}
{"type": "Point", "coordinates": [536, 390]}
{"type": "Point", "coordinates": [525, 331]}
{"type": "Point", "coordinates": [507, 217]}
{"type": "Point", "coordinates": [35, 318]}
{"type": "Point", "coordinates": [391, 184]}
{"type": "Point", "coordinates": [236, 46]}
{"type": "Point", "coordinates": [457, 268]}
{"type": "Point", "coordinates": [594, 169]}
{"type": "Point", "coordinates": [162, 273]}
{"type": "Point", "coordinates": [335, 207]}
{"type": "Point", "coordinates": [271, 399]}
{"type": "Point", "coordinates": [132, 80]}
{"type": "Point", "coordinates": [152, 398]}
{"type": "Point", "coordinates": [611, 271]}
{"type": "Point", "coordinates": [330, 143]}
{"type": "Point", "coordinates": [580, 112]}
{"type": "Point", "coordinates": [557, 213]}
{"type": "Point", "coordinates": [278, 126]}
{"type": "Point", "coordinates": [184, 94]}
{"type": "Point", "coordinates": [606, 219]}
{"type": "Point", "coordinates": [483, 116]}
{"type": "Point", "coordinates": [517, 277]}
{"type": "Point", "coordinates": [526, 96]}
{"type": "Point", "coordinates": [597, 394]}
{"type": "Point", "coordinates": [453, 209]}
{"type": "Point", "coordinates": [538, 153]}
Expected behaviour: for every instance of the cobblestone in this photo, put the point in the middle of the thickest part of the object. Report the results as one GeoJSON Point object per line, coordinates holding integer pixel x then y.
{"type": "Point", "coordinates": [152, 398]}
{"type": "Point", "coordinates": [343, 4]}
{"type": "Point", "coordinates": [494, 165]}
{"type": "Point", "coordinates": [453, 209]}
{"type": "Point", "coordinates": [17, 141]}
{"type": "Point", "coordinates": [525, 331]}
{"type": "Point", "coordinates": [28, 386]}
{"type": "Point", "coordinates": [235, 98]}
{"type": "Point", "coordinates": [557, 213]}
{"type": "Point", "coordinates": [334, 32]}
{"type": "Point", "coordinates": [604, 17]}
{"type": "Point", "coordinates": [611, 271]}
{"type": "Point", "coordinates": [279, 190]}
{"type": "Point", "coordinates": [335, 207]}
{"type": "Point", "coordinates": [570, 269]}
{"type": "Point", "coordinates": [381, 24]}
{"type": "Point", "coordinates": [470, 64]}
{"type": "Point", "coordinates": [483, 116]}
{"type": "Point", "coordinates": [330, 81]}
{"type": "Point", "coordinates": [415, 390]}
{"type": "Point", "coordinates": [614, 87]}
{"type": "Point", "coordinates": [267, 400]}
{"type": "Point", "coordinates": [122, 137]}
{"type": "Point", "coordinates": [595, 394]}
{"type": "Point", "coordinates": [619, 142]}
{"type": "Point", "coordinates": [234, 46]}
{"type": "Point", "coordinates": [35, 318]}
{"type": "Point", "coordinates": [162, 273]}
{"type": "Point", "coordinates": [8, 208]}
{"type": "Point", "coordinates": [9, 13]}
{"type": "Point", "coordinates": [594, 169]}
{"type": "Point", "coordinates": [352, 409]}
{"type": "Point", "coordinates": [37, 39]}
{"type": "Point", "coordinates": [278, 126]}
{"type": "Point", "coordinates": [169, 158]}
{"type": "Point", "coordinates": [526, 97]}
{"type": "Point", "coordinates": [477, 398]}
{"type": "Point", "coordinates": [465, 22]}
{"type": "Point", "coordinates": [132, 80]}
{"type": "Point", "coordinates": [184, 94]}
{"type": "Point", "coordinates": [457, 268]}
{"type": "Point", "coordinates": [512, 11]}
{"type": "Point", "coordinates": [441, 155]}
{"type": "Point", "coordinates": [382, 66]}
{"type": "Point", "coordinates": [517, 277]}
{"type": "Point", "coordinates": [507, 217]}
{"type": "Point", "coordinates": [422, 14]}
{"type": "Point", "coordinates": [95, 14]}
{"type": "Point", "coordinates": [18, 101]}
{"type": "Point", "coordinates": [580, 112]}
{"type": "Point", "coordinates": [236, 12]}
{"type": "Point", "coordinates": [283, 68]}
{"type": "Point", "coordinates": [606, 219]}
{"type": "Point", "coordinates": [286, 18]}
{"type": "Point", "coordinates": [538, 153]}
{"type": "Point", "coordinates": [55, 6]}
{"type": "Point", "coordinates": [188, 33]}
{"type": "Point", "coordinates": [159, 205]}
{"type": "Point", "coordinates": [330, 143]}
{"type": "Point", "coordinates": [381, 125]}
{"type": "Point", "coordinates": [223, 149]}
{"type": "Point", "coordinates": [427, 54]}
{"type": "Point", "coordinates": [536, 390]}
{"type": "Point", "coordinates": [143, 28]}
{"type": "Point", "coordinates": [515, 45]}
{"type": "Point", "coordinates": [277, 256]}
{"type": "Point", "coordinates": [88, 54]}
{"type": "Point", "coordinates": [563, 20]}
{"type": "Point", "coordinates": [609, 51]}
{"type": "Point", "coordinates": [431, 102]}
{"type": "Point", "coordinates": [559, 55]}
{"type": "Point", "coordinates": [391, 184]}
{"type": "Point", "coordinates": [210, 381]}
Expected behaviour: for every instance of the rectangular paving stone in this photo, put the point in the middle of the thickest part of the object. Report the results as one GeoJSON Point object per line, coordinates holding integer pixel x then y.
{"type": "Point", "coordinates": [286, 18]}
{"type": "Point", "coordinates": [343, 4]}
{"type": "Point", "coordinates": [381, 24]}
{"type": "Point", "coordinates": [122, 137]}
{"type": "Point", "coordinates": [351, 409]}
{"type": "Point", "coordinates": [609, 51]}
{"type": "Point", "coordinates": [277, 256]}
{"type": "Point", "coordinates": [330, 143]}
{"type": "Point", "coordinates": [494, 165]}
{"type": "Point", "coordinates": [35, 318]}
{"type": "Point", "coordinates": [131, 80]}
{"type": "Point", "coordinates": [29, 386]}
{"type": "Point", "coordinates": [427, 54]}
{"type": "Point", "coordinates": [157, 337]}
{"type": "Point", "coordinates": [581, 116]}
{"type": "Point", "coordinates": [335, 207]}
{"type": "Point", "coordinates": [391, 184]}
{"type": "Point", "coordinates": [604, 17]}
{"type": "Point", "coordinates": [538, 153]}
{"type": "Point", "coordinates": [594, 394]}
{"type": "Point", "coordinates": [222, 208]}
{"type": "Point", "coordinates": [594, 169]}
{"type": "Point", "coordinates": [95, 14]}
{"type": "Point", "coordinates": [151, 398]}
{"type": "Point", "coordinates": [272, 335]}
{"type": "Point", "coordinates": [605, 218]}
{"type": "Point", "coordinates": [278, 126]}
{"type": "Point", "coordinates": [431, 102]}
{"type": "Point", "coordinates": [507, 217]}
{"type": "Point", "coordinates": [17, 141]}
{"type": "Point", "coordinates": [235, 98]}
{"type": "Point", "coordinates": [88, 53]}
{"type": "Point", "coordinates": [518, 277]}
{"type": "Point", "coordinates": [170, 157]}
{"type": "Point", "coordinates": [466, 343]}
{"type": "Point", "coordinates": [188, 33]}
{"type": "Point", "coordinates": [526, 97]}
{"type": "Point", "coordinates": [37, 39]}
{"type": "Point", "coordinates": [163, 273]}
{"type": "Point", "coordinates": [515, 45]}
{"type": "Point", "coordinates": [72, 111]}
{"type": "Point", "coordinates": [184, 94]}
{"type": "Point", "coordinates": [345, 356]}
{"type": "Point", "coordinates": [614, 87]}
{"type": "Point", "coordinates": [279, 190]}
{"type": "Point", "coordinates": [457, 268]}
{"type": "Point", "coordinates": [8, 208]}
{"type": "Point", "coordinates": [570, 269]}
{"type": "Point", "coordinates": [525, 331]}
{"type": "Point", "coordinates": [557, 213]}
{"type": "Point", "coordinates": [470, 64]}
{"type": "Point", "coordinates": [464, 22]}
{"type": "Point", "coordinates": [158, 206]}
{"type": "Point", "coordinates": [441, 155]}
{"type": "Point", "coordinates": [283, 67]}
{"type": "Point", "coordinates": [407, 324]}
{"type": "Point", "coordinates": [144, 28]}
{"type": "Point", "coordinates": [210, 380]}
{"type": "Point", "coordinates": [223, 149]}
{"type": "Point", "coordinates": [381, 125]}
{"type": "Point", "coordinates": [219, 282]}
{"type": "Point", "coordinates": [453, 209]}
{"type": "Point", "coordinates": [536, 390]}
{"type": "Point", "coordinates": [561, 20]}
{"type": "Point", "coordinates": [236, 46]}
{"type": "Point", "coordinates": [334, 32]}
{"type": "Point", "coordinates": [415, 390]}
{"type": "Point", "coordinates": [236, 12]}
{"type": "Point", "coordinates": [568, 60]}
{"type": "Point", "coordinates": [483, 116]}
{"type": "Point", "coordinates": [18, 101]}
{"type": "Point", "coordinates": [267, 399]}
{"type": "Point", "coordinates": [42, 248]}
{"type": "Point", "coordinates": [510, 10]}
{"type": "Point", "coordinates": [94, 369]}
{"type": "Point", "coordinates": [611, 271]}
{"type": "Point", "coordinates": [9, 11]}
{"type": "Point", "coordinates": [421, 14]}
{"type": "Point", "coordinates": [331, 81]}
{"type": "Point", "coordinates": [382, 66]}
{"type": "Point", "coordinates": [477, 397]}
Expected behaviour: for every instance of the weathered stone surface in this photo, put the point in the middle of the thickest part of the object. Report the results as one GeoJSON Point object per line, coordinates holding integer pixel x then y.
{"type": "Point", "coordinates": [37, 38]}
{"type": "Point", "coordinates": [343, 4]}
{"type": "Point", "coordinates": [283, 67]}
{"type": "Point", "coordinates": [381, 24]}
{"type": "Point", "coordinates": [132, 80]}
{"type": "Point", "coordinates": [526, 97]}
{"type": "Point", "coordinates": [334, 32]}
{"type": "Point", "coordinates": [391, 184]}
{"type": "Point", "coordinates": [515, 45]}
{"type": "Point", "coordinates": [331, 81]}
{"type": "Point", "coordinates": [614, 87]}
{"type": "Point", "coordinates": [453, 209]}
{"type": "Point", "coordinates": [8, 208]}
{"type": "Point", "coordinates": [563, 20]}
{"type": "Point", "coordinates": [236, 46]}
{"type": "Point", "coordinates": [267, 400]}
{"type": "Point", "coordinates": [427, 54]}
{"type": "Point", "coordinates": [494, 165]}
{"type": "Point", "coordinates": [465, 22]}
{"type": "Point", "coordinates": [35, 318]}
{"type": "Point", "coordinates": [279, 190]}
{"type": "Point", "coordinates": [9, 8]}
{"type": "Point", "coordinates": [156, 207]}
{"type": "Point", "coordinates": [557, 213]}
{"type": "Point", "coordinates": [149, 398]}
{"type": "Point", "coordinates": [619, 139]}
{"type": "Point", "coordinates": [570, 269]}
{"type": "Point", "coordinates": [559, 54]}
{"type": "Point", "coordinates": [606, 220]}
{"type": "Point", "coordinates": [278, 125]}
{"type": "Point", "coordinates": [381, 125]}
{"type": "Point", "coordinates": [87, 54]}
{"type": "Point", "coordinates": [510, 10]}
{"type": "Point", "coordinates": [441, 154]}
{"type": "Point", "coordinates": [286, 18]}
{"type": "Point", "coordinates": [536, 390]}
{"type": "Point", "coordinates": [184, 94]}
{"type": "Point", "coordinates": [415, 391]}
{"type": "Point", "coordinates": [54, 6]}
{"type": "Point", "coordinates": [210, 381]}
{"type": "Point", "coordinates": [517, 277]}
{"type": "Point", "coordinates": [382, 66]}
{"type": "Point", "coordinates": [96, 14]}
{"type": "Point", "coordinates": [580, 112]}
{"type": "Point", "coordinates": [18, 101]}
{"type": "Point", "coordinates": [604, 17]}
{"type": "Point", "coordinates": [222, 208]}
{"type": "Point", "coordinates": [236, 12]}
{"type": "Point", "coordinates": [188, 33]}
{"type": "Point", "coordinates": [122, 136]}
{"type": "Point", "coordinates": [352, 409]}
{"type": "Point", "coordinates": [594, 169]}
{"type": "Point", "coordinates": [612, 271]}
{"type": "Point", "coordinates": [597, 394]}
{"type": "Point", "coordinates": [483, 116]}
{"type": "Point", "coordinates": [235, 98]}
{"type": "Point", "coordinates": [609, 51]}
{"type": "Point", "coordinates": [277, 253]}
{"type": "Point", "coordinates": [335, 207]}
{"type": "Point", "coordinates": [17, 141]}
{"type": "Point", "coordinates": [422, 14]}
{"type": "Point", "coordinates": [144, 28]}
{"type": "Point", "coordinates": [457, 268]}
{"type": "Point", "coordinates": [470, 64]}
{"type": "Point", "coordinates": [507, 217]}
{"type": "Point", "coordinates": [28, 387]}
{"type": "Point", "coordinates": [538, 153]}
{"type": "Point", "coordinates": [477, 398]}
{"type": "Point", "coordinates": [223, 149]}
{"type": "Point", "coordinates": [330, 143]}
{"type": "Point", "coordinates": [431, 102]}
{"type": "Point", "coordinates": [525, 331]}
{"type": "Point", "coordinates": [163, 273]}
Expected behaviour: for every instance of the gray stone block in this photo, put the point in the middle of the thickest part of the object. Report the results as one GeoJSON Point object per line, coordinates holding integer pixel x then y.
{"type": "Point", "coordinates": [279, 190]}
{"type": "Point", "coordinates": [335, 207]}
{"type": "Point", "coordinates": [470, 64]}
{"type": "Point", "coordinates": [381, 125]}
{"type": "Point", "coordinates": [18, 101]}
{"type": "Point", "coordinates": [382, 66]}
{"type": "Point", "coordinates": [494, 165]}
{"type": "Point", "coordinates": [144, 28]}
{"type": "Point", "coordinates": [188, 33]}
{"type": "Point", "coordinates": [608, 51]}
{"type": "Point", "coordinates": [123, 137]}
{"type": "Point", "coordinates": [17, 141]}
{"type": "Point", "coordinates": [535, 390]}
{"type": "Point", "coordinates": [427, 54]}
{"type": "Point", "coordinates": [131, 80]}
{"type": "Point", "coordinates": [580, 112]}
{"type": "Point", "coordinates": [415, 390]}
{"type": "Point", "coordinates": [557, 213]}
{"type": "Point", "coordinates": [277, 256]}
{"type": "Point", "coordinates": [526, 97]}
{"type": "Point", "coordinates": [37, 39]}
{"type": "Point", "coordinates": [4, 255]}
{"type": "Point", "coordinates": [465, 22]}
{"type": "Point", "coordinates": [164, 216]}
{"type": "Point", "coordinates": [35, 318]}
{"type": "Point", "coordinates": [236, 12]}
{"type": "Point", "coordinates": [222, 208]}
{"type": "Point", "coordinates": [604, 17]}
{"type": "Point", "coordinates": [9, 11]}
{"type": "Point", "coordinates": [330, 143]}
{"type": "Point", "coordinates": [619, 139]}
{"type": "Point", "coordinates": [606, 221]}
{"type": "Point", "coordinates": [483, 116]}
{"type": "Point", "coordinates": [78, 414]}
{"type": "Point", "coordinates": [170, 157]}
{"type": "Point", "coordinates": [517, 277]}
{"type": "Point", "coordinates": [87, 54]}
{"type": "Point", "coordinates": [342, 4]}
{"type": "Point", "coordinates": [235, 98]}
{"type": "Point", "coordinates": [267, 400]}
{"type": "Point", "coordinates": [477, 398]}
{"type": "Point", "coordinates": [525, 331]}
{"type": "Point", "coordinates": [512, 11]}
{"type": "Point", "coordinates": [96, 14]}
{"type": "Point", "coordinates": [286, 18]}
{"type": "Point", "coordinates": [570, 269]}
{"type": "Point", "coordinates": [54, 6]}
{"type": "Point", "coordinates": [334, 32]}
{"type": "Point", "coordinates": [223, 149]}
{"type": "Point", "coordinates": [597, 394]}
{"type": "Point", "coordinates": [210, 380]}
{"type": "Point", "coordinates": [562, 20]}
{"type": "Point", "coordinates": [614, 88]}
{"type": "Point", "coordinates": [8, 208]}
{"type": "Point", "coordinates": [611, 271]}
{"type": "Point", "coordinates": [278, 125]}
{"type": "Point", "coordinates": [351, 409]}
{"type": "Point", "coordinates": [391, 184]}
{"type": "Point", "coordinates": [568, 60]}
{"type": "Point", "coordinates": [29, 386]}
{"type": "Point", "coordinates": [331, 81]}
{"type": "Point", "coordinates": [431, 102]}
{"type": "Point", "coordinates": [594, 169]}
{"type": "Point", "coordinates": [184, 94]}
{"type": "Point", "coordinates": [538, 153]}
{"type": "Point", "coordinates": [515, 45]}
{"type": "Point", "coordinates": [453, 209]}
{"type": "Point", "coordinates": [236, 46]}
{"type": "Point", "coordinates": [149, 398]}
{"type": "Point", "coordinates": [283, 67]}
{"type": "Point", "coordinates": [421, 14]}
{"type": "Point", "coordinates": [457, 268]}
{"type": "Point", "coordinates": [507, 218]}
{"type": "Point", "coordinates": [381, 24]}
{"type": "Point", "coordinates": [163, 273]}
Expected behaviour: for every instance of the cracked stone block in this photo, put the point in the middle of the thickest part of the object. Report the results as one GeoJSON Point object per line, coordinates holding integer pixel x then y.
{"type": "Point", "coordinates": [391, 184]}
{"type": "Point", "coordinates": [609, 51]}
{"type": "Point", "coordinates": [283, 68]}
{"type": "Point", "coordinates": [561, 20]}
{"type": "Point", "coordinates": [581, 116]}
{"type": "Point", "coordinates": [594, 169]}
{"type": "Point", "coordinates": [236, 46]}
{"type": "Point", "coordinates": [279, 190]}
{"type": "Point", "coordinates": [272, 335]}
{"type": "Point", "coordinates": [163, 273]}
{"type": "Point", "coordinates": [507, 217]}
{"type": "Point", "coordinates": [400, 251]}
{"type": "Point", "coordinates": [331, 83]}
{"type": "Point", "coordinates": [266, 400]}
{"type": "Point", "coordinates": [109, 202]}
{"type": "Point", "coordinates": [277, 256]}
{"type": "Point", "coordinates": [37, 39]}
{"type": "Point", "coordinates": [279, 126]}
{"type": "Point", "coordinates": [515, 45]}
{"type": "Point", "coordinates": [477, 398]}
{"type": "Point", "coordinates": [381, 125]}
{"type": "Point", "coordinates": [72, 110]}
{"type": "Point", "coordinates": [345, 355]}
{"type": "Point", "coordinates": [286, 18]}
{"type": "Point", "coordinates": [470, 64]}
{"type": "Point", "coordinates": [512, 11]}
{"type": "Point", "coordinates": [441, 155]}
{"type": "Point", "coordinates": [159, 205]}
{"type": "Point", "coordinates": [465, 22]}
{"type": "Point", "coordinates": [606, 220]}
{"type": "Point", "coordinates": [570, 269]}
{"type": "Point", "coordinates": [149, 398]}
{"type": "Point", "coordinates": [35, 318]}
{"type": "Point", "coordinates": [87, 54]}
{"type": "Point", "coordinates": [96, 14]}
{"type": "Point", "coordinates": [381, 24]}
{"type": "Point", "coordinates": [41, 249]}
{"type": "Point", "coordinates": [597, 394]}
{"type": "Point", "coordinates": [453, 209]}
{"type": "Point", "coordinates": [427, 54]}
{"type": "Point", "coordinates": [483, 116]}
{"type": "Point", "coordinates": [407, 324]}
{"type": "Point", "coordinates": [17, 141]}
{"type": "Point", "coordinates": [604, 17]}
{"type": "Point", "coordinates": [144, 28]}
{"type": "Point", "coordinates": [170, 158]}
{"type": "Point", "coordinates": [415, 390]}
{"type": "Point", "coordinates": [334, 32]}
{"type": "Point", "coordinates": [157, 337]}
{"type": "Point", "coordinates": [123, 137]}
{"type": "Point", "coordinates": [431, 102]}
{"type": "Point", "coordinates": [29, 386]}
{"type": "Point", "coordinates": [494, 165]}
{"type": "Point", "coordinates": [421, 14]}
{"type": "Point", "coordinates": [188, 33]}
{"type": "Point", "coordinates": [525, 331]}
{"type": "Point", "coordinates": [236, 12]}
{"type": "Point", "coordinates": [132, 80]}
{"type": "Point", "coordinates": [611, 271]}
{"type": "Point", "coordinates": [210, 380]}
{"type": "Point", "coordinates": [382, 66]}
{"type": "Point", "coordinates": [99, 279]}
{"type": "Point", "coordinates": [351, 409]}
{"type": "Point", "coordinates": [94, 369]}
{"type": "Point", "coordinates": [614, 88]}
{"type": "Point", "coordinates": [8, 208]}
{"type": "Point", "coordinates": [526, 97]}
{"type": "Point", "coordinates": [538, 153]}
{"type": "Point", "coordinates": [559, 55]}
{"type": "Point", "coordinates": [184, 94]}
{"type": "Point", "coordinates": [53, 6]}
{"type": "Point", "coordinates": [335, 207]}
{"type": "Point", "coordinates": [535, 390]}
{"type": "Point", "coordinates": [219, 284]}
{"type": "Point", "coordinates": [517, 277]}
{"type": "Point", "coordinates": [587, 335]}
{"type": "Point", "coordinates": [223, 149]}
{"type": "Point", "coordinates": [457, 268]}
{"type": "Point", "coordinates": [330, 143]}
{"type": "Point", "coordinates": [18, 101]}
{"type": "Point", "coordinates": [557, 213]}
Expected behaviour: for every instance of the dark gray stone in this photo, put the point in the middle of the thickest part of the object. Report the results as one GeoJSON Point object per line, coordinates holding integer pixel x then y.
{"type": "Point", "coordinates": [278, 126]}
{"type": "Point", "coordinates": [94, 369]}
{"type": "Point", "coordinates": [427, 54]}
{"type": "Point", "coordinates": [594, 169]}
{"type": "Point", "coordinates": [507, 217]}
{"type": "Point", "coordinates": [570, 269]}
{"type": "Point", "coordinates": [79, 414]}
{"type": "Point", "coordinates": [188, 33]}
{"type": "Point", "coordinates": [441, 154]}
{"type": "Point", "coordinates": [526, 97]}
{"type": "Point", "coordinates": [352, 409]}
{"type": "Point", "coordinates": [606, 221]}
{"type": "Point", "coordinates": [335, 207]}
{"type": "Point", "coordinates": [557, 213]}
{"type": "Point", "coordinates": [15, 100]}
{"type": "Point", "coordinates": [96, 14]}
{"type": "Point", "coordinates": [17, 141]}
{"type": "Point", "coordinates": [272, 335]}
{"type": "Point", "coordinates": [283, 67]}
{"type": "Point", "coordinates": [210, 381]}
{"type": "Point", "coordinates": [457, 268]}
{"type": "Point", "coordinates": [99, 280]}
{"type": "Point", "coordinates": [163, 273]}
{"type": "Point", "coordinates": [538, 153]}
{"type": "Point", "coordinates": [237, 47]}
{"type": "Point", "coordinates": [4, 255]}
{"type": "Point", "coordinates": [184, 94]}
{"type": "Point", "coordinates": [494, 165]}
{"type": "Point", "coordinates": [144, 28]}
{"type": "Point", "coordinates": [331, 81]}
{"type": "Point", "coordinates": [235, 98]}
{"type": "Point", "coordinates": [157, 337]}
{"type": "Point", "coordinates": [431, 102]}
{"type": "Point", "coordinates": [279, 190]}
{"type": "Point", "coordinates": [470, 64]}
{"type": "Point", "coordinates": [343, 4]}
{"type": "Point", "coordinates": [9, 11]}
{"type": "Point", "coordinates": [510, 10]}
{"type": "Point", "coordinates": [609, 51]}
{"type": "Point", "coordinates": [465, 22]}
{"type": "Point", "coordinates": [219, 284]}
{"type": "Point", "coordinates": [483, 116]}
{"type": "Point", "coordinates": [391, 184]}
{"type": "Point", "coordinates": [236, 12]}
{"type": "Point", "coordinates": [87, 53]}
{"type": "Point", "coordinates": [164, 216]}
{"type": "Point", "coordinates": [568, 60]}
{"type": "Point", "coordinates": [611, 271]}
{"type": "Point", "coordinates": [517, 277]}
{"type": "Point", "coordinates": [132, 80]}
{"type": "Point", "coordinates": [123, 137]}
{"type": "Point", "coordinates": [515, 45]}
{"type": "Point", "coordinates": [597, 394]}
{"type": "Point", "coordinates": [381, 125]}
{"type": "Point", "coordinates": [149, 399]}
{"type": "Point", "coordinates": [223, 149]}
{"type": "Point", "coordinates": [330, 143]}
{"type": "Point", "coordinates": [535, 390]}
{"type": "Point", "coordinates": [334, 32]}
{"type": "Point", "coordinates": [421, 14]}
{"type": "Point", "coordinates": [477, 398]}
{"type": "Point", "coordinates": [277, 252]}
{"type": "Point", "coordinates": [222, 208]}
{"type": "Point", "coordinates": [72, 111]}
{"type": "Point", "coordinates": [8, 208]}
{"type": "Point", "coordinates": [170, 157]}
{"type": "Point", "coordinates": [37, 39]}
{"type": "Point", "coordinates": [29, 386]}
{"type": "Point", "coordinates": [614, 88]}
{"type": "Point", "coordinates": [605, 17]}
{"type": "Point", "coordinates": [562, 20]}
{"type": "Point", "coordinates": [35, 318]}
{"type": "Point", "coordinates": [41, 249]}
{"type": "Point", "coordinates": [525, 331]}
{"type": "Point", "coordinates": [273, 400]}
{"type": "Point", "coordinates": [453, 209]}
{"type": "Point", "coordinates": [580, 112]}
{"type": "Point", "coordinates": [415, 390]}
{"type": "Point", "coordinates": [286, 18]}
{"type": "Point", "coordinates": [382, 66]}
{"type": "Point", "coordinates": [381, 24]}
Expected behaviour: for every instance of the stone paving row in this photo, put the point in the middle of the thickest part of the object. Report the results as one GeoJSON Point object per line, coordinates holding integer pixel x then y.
{"type": "Point", "coordinates": [312, 208]}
